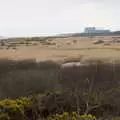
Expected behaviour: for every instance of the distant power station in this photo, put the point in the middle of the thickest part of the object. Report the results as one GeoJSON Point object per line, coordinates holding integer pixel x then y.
{"type": "Point", "coordinates": [94, 30]}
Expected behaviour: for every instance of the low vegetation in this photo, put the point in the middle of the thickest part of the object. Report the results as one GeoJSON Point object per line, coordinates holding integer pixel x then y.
{"type": "Point", "coordinates": [31, 90]}
{"type": "Point", "coordinates": [19, 109]}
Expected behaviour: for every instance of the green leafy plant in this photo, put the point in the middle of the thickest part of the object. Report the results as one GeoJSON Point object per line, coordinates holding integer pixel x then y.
{"type": "Point", "coordinates": [19, 109]}
{"type": "Point", "coordinates": [4, 116]}
{"type": "Point", "coordinates": [71, 116]}
{"type": "Point", "coordinates": [11, 108]}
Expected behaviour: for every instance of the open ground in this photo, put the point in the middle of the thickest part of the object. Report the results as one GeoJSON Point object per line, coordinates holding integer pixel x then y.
{"type": "Point", "coordinates": [63, 48]}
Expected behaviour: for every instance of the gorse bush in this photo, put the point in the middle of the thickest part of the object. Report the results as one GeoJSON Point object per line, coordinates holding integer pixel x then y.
{"type": "Point", "coordinates": [71, 116]}
{"type": "Point", "coordinates": [19, 109]}
{"type": "Point", "coordinates": [4, 116]}
{"type": "Point", "coordinates": [10, 109]}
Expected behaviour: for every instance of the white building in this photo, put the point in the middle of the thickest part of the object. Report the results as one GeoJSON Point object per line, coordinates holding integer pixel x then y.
{"type": "Point", "coordinates": [94, 30]}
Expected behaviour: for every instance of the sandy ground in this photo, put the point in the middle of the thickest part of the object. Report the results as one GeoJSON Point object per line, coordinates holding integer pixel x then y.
{"type": "Point", "coordinates": [65, 48]}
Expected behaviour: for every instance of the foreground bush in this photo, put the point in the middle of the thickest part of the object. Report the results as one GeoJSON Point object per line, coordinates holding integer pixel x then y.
{"type": "Point", "coordinates": [72, 116]}
{"type": "Point", "coordinates": [19, 109]}
{"type": "Point", "coordinates": [76, 116]}
{"type": "Point", "coordinates": [50, 107]}
{"type": "Point", "coordinates": [67, 101]}
{"type": "Point", "coordinates": [58, 102]}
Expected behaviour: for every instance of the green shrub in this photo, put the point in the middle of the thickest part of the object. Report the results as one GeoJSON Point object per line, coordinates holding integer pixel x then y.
{"type": "Point", "coordinates": [19, 109]}
{"type": "Point", "coordinates": [24, 102]}
{"type": "Point", "coordinates": [11, 108]}
{"type": "Point", "coordinates": [117, 118]}
{"type": "Point", "coordinates": [87, 117]}
{"type": "Point", "coordinates": [4, 116]}
{"type": "Point", "coordinates": [71, 116]}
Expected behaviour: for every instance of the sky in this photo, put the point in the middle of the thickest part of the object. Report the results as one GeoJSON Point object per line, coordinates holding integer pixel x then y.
{"type": "Point", "coordinates": [49, 17]}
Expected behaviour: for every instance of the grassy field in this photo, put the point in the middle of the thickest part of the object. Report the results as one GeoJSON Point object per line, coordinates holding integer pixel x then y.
{"type": "Point", "coordinates": [62, 48]}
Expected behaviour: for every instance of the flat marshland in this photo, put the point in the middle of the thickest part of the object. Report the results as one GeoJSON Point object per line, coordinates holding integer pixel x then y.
{"type": "Point", "coordinates": [62, 48]}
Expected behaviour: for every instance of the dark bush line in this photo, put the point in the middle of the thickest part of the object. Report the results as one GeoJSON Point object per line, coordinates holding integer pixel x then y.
{"type": "Point", "coordinates": [103, 75]}
{"type": "Point", "coordinates": [8, 65]}
{"type": "Point", "coordinates": [21, 78]}
{"type": "Point", "coordinates": [28, 76]}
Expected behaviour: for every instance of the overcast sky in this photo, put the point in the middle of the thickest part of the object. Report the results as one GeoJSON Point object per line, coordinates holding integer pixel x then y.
{"type": "Point", "coordinates": [47, 17]}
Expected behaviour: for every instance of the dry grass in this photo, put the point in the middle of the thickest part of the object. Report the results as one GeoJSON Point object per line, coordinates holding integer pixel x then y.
{"type": "Point", "coordinates": [65, 48]}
